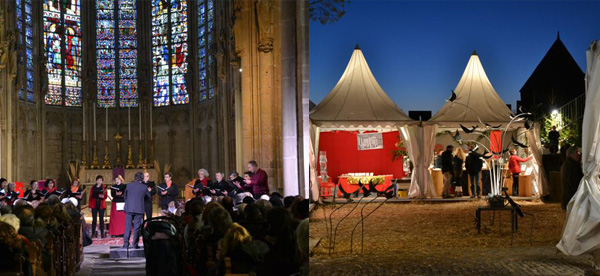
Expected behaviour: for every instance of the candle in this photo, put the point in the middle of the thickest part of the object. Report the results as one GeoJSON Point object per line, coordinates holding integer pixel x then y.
{"type": "Point", "coordinates": [83, 133]}
{"type": "Point", "coordinates": [151, 123]}
{"type": "Point", "coordinates": [94, 122]}
{"type": "Point", "coordinates": [140, 108]}
{"type": "Point", "coordinates": [129, 121]}
{"type": "Point", "coordinates": [106, 123]}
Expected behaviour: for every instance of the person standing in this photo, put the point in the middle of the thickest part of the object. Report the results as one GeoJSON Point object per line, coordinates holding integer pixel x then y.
{"type": "Point", "coordinates": [553, 136]}
{"type": "Point", "coordinates": [117, 215]}
{"type": "Point", "coordinates": [447, 170]}
{"type": "Point", "coordinates": [225, 188]}
{"type": "Point", "coordinates": [473, 164]}
{"type": "Point", "coordinates": [135, 194]}
{"type": "Point", "coordinates": [457, 165]}
{"type": "Point", "coordinates": [151, 186]}
{"type": "Point", "coordinates": [50, 188]}
{"type": "Point", "coordinates": [570, 174]}
{"type": "Point", "coordinates": [168, 191]}
{"type": "Point", "coordinates": [97, 202]}
{"type": "Point", "coordinates": [258, 184]}
{"type": "Point", "coordinates": [514, 167]}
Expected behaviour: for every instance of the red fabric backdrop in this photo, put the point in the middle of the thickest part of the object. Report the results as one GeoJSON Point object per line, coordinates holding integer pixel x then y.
{"type": "Point", "coordinates": [343, 155]}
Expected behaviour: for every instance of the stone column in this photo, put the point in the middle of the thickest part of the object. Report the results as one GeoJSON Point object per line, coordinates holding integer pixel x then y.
{"type": "Point", "coordinates": [288, 99]}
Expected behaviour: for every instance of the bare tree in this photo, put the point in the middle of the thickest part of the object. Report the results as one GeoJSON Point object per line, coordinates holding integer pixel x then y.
{"type": "Point", "coordinates": [327, 11]}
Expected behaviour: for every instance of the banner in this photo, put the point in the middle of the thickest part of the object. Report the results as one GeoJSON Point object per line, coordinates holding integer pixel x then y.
{"type": "Point", "coordinates": [370, 141]}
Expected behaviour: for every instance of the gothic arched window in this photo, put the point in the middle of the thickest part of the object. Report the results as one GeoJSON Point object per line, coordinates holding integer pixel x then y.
{"type": "Point", "coordinates": [205, 36]}
{"type": "Point", "coordinates": [169, 51]}
{"type": "Point", "coordinates": [25, 32]}
{"type": "Point", "coordinates": [62, 44]}
{"type": "Point", "coordinates": [116, 53]}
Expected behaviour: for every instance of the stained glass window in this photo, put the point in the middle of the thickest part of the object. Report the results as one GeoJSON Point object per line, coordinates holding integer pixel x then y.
{"type": "Point", "coordinates": [25, 31]}
{"type": "Point", "coordinates": [116, 53]}
{"type": "Point", "coordinates": [205, 35]}
{"type": "Point", "coordinates": [62, 42]}
{"type": "Point", "coordinates": [169, 51]}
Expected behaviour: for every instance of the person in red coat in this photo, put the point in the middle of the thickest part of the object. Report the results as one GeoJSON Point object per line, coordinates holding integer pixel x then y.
{"type": "Point", "coordinates": [258, 184]}
{"type": "Point", "coordinates": [117, 217]}
{"type": "Point", "coordinates": [97, 202]}
{"type": "Point", "coordinates": [514, 166]}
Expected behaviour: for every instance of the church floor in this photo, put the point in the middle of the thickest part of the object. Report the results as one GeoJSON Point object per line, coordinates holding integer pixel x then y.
{"type": "Point", "coordinates": [97, 262]}
{"type": "Point", "coordinates": [440, 239]}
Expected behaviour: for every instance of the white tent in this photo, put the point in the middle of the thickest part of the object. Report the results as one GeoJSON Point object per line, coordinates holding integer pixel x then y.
{"type": "Point", "coordinates": [357, 102]}
{"type": "Point", "coordinates": [477, 101]}
{"type": "Point", "coordinates": [582, 223]}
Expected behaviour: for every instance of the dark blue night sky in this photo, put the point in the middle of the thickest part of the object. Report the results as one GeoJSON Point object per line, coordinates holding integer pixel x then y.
{"type": "Point", "coordinates": [418, 50]}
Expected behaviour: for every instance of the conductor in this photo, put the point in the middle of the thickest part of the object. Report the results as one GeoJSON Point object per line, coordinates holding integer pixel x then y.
{"type": "Point", "coordinates": [135, 193]}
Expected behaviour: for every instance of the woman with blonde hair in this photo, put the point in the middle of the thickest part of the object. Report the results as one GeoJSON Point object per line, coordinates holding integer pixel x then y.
{"type": "Point", "coordinates": [244, 253]}
{"type": "Point", "coordinates": [457, 166]}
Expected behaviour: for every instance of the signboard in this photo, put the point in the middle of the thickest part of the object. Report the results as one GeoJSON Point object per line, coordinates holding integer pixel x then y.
{"type": "Point", "coordinates": [370, 141]}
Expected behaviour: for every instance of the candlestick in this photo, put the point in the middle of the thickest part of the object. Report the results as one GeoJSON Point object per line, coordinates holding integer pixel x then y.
{"type": "Point", "coordinates": [140, 123]}
{"type": "Point", "coordinates": [95, 164]}
{"type": "Point", "coordinates": [129, 122]}
{"type": "Point", "coordinates": [141, 161]}
{"type": "Point", "coordinates": [83, 132]}
{"type": "Point", "coordinates": [129, 157]}
{"type": "Point", "coordinates": [151, 154]}
{"type": "Point", "coordinates": [94, 121]}
{"type": "Point", "coordinates": [151, 124]}
{"type": "Point", "coordinates": [118, 138]}
{"type": "Point", "coordinates": [83, 154]}
{"type": "Point", "coordinates": [106, 158]}
{"type": "Point", "coordinates": [106, 124]}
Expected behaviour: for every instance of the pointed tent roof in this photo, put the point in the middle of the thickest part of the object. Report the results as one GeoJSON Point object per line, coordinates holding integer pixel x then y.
{"type": "Point", "coordinates": [475, 97]}
{"type": "Point", "coordinates": [357, 100]}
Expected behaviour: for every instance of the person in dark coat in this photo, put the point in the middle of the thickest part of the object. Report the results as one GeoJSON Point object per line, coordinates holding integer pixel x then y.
{"type": "Point", "coordinates": [473, 164]}
{"type": "Point", "coordinates": [148, 201]}
{"type": "Point", "coordinates": [457, 167]}
{"type": "Point", "coordinates": [222, 187]}
{"type": "Point", "coordinates": [168, 191]}
{"type": "Point", "coordinates": [447, 170]}
{"type": "Point", "coordinates": [203, 184]}
{"type": "Point", "coordinates": [571, 174]}
{"type": "Point", "coordinates": [553, 136]}
{"type": "Point", "coordinates": [135, 193]}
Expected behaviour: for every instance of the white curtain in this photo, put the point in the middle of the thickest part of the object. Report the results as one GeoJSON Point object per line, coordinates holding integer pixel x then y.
{"type": "Point", "coordinates": [419, 141]}
{"type": "Point", "coordinates": [581, 232]}
{"type": "Point", "coordinates": [314, 147]}
{"type": "Point", "coordinates": [539, 176]}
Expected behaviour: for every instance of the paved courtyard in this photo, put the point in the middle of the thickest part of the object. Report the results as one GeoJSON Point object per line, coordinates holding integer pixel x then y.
{"type": "Point", "coordinates": [440, 239]}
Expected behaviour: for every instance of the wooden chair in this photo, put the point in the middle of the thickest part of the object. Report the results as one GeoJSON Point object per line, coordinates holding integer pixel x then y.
{"type": "Point", "coordinates": [34, 249]}
{"type": "Point", "coordinates": [15, 271]}
{"type": "Point", "coordinates": [50, 247]}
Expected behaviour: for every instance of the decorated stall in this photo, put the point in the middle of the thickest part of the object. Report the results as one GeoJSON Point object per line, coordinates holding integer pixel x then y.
{"type": "Point", "coordinates": [356, 126]}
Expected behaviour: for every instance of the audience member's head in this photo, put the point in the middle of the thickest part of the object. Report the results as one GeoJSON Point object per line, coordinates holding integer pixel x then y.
{"type": "Point", "coordinates": [196, 206]}
{"type": "Point", "coordinates": [220, 220]}
{"type": "Point", "coordinates": [287, 201]}
{"type": "Point", "coordinates": [19, 202]}
{"type": "Point", "coordinates": [208, 208]}
{"type": "Point", "coordinates": [8, 236]}
{"type": "Point", "coordinates": [11, 220]}
{"type": "Point", "coordinates": [235, 236]}
{"type": "Point", "coordinates": [276, 200]}
{"type": "Point", "coordinates": [264, 206]}
{"type": "Point", "coordinates": [252, 212]}
{"type": "Point", "coordinates": [53, 200]}
{"type": "Point", "coordinates": [5, 209]}
{"type": "Point", "coordinates": [302, 238]}
{"type": "Point", "coordinates": [227, 203]}
{"type": "Point", "coordinates": [248, 200]}
{"type": "Point", "coordinates": [300, 209]}
{"type": "Point", "coordinates": [279, 220]}
{"type": "Point", "coordinates": [25, 214]}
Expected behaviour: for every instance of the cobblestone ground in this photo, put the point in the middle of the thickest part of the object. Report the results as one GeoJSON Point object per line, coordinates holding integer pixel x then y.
{"type": "Point", "coordinates": [440, 239]}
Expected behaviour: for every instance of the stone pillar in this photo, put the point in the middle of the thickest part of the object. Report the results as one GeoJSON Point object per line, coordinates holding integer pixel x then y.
{"type": "Point", "coordinates": [302, 39]}
{"type": "Point", "coordinates": [288, 99]}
